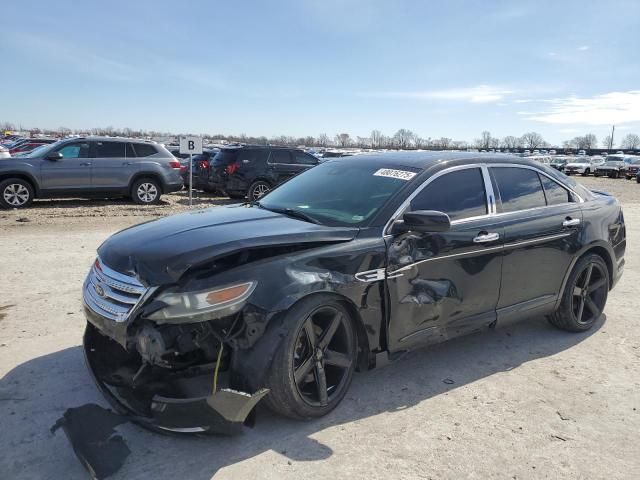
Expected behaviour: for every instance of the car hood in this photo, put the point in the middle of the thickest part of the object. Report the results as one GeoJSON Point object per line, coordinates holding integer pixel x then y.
{"type": "Point", "coordinates": [161, 251]}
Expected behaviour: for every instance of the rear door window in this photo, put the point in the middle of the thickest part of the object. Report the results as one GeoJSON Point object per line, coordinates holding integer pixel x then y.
{"type": "Point", "coordinates": [459, 194]}
{"type": "Point", "coordinates": [519, 188]}
{"type": "Point", "coordinates": [110, 149]}
{"type": "Point", "coordinates": [280, 156]}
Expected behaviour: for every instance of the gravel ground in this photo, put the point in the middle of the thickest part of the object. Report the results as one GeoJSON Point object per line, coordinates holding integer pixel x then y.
{"type": "Point", "coordinates": [522, 401]}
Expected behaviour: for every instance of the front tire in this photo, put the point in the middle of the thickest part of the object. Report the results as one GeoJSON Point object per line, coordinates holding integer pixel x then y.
{"type": "Point", "coordinates": [146, 191]}
{"type": "Point", "coordinates": [584, 297]}
{"type": "Point", "coordinates": [313, 367]}
{"type": "Point", "coordinates": [15, 193]}
{"type": "Point", "coordinates": [586, 172]}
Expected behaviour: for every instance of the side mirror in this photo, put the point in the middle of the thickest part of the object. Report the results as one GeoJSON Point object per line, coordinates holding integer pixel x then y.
{"type": "Point", "coordinates": [54, 157]}
{"type": "Point", "coordinates": [427, 221]}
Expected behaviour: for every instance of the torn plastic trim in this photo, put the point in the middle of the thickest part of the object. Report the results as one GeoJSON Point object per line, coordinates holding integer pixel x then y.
{"type": "Point", "coordinates": [224, 412]}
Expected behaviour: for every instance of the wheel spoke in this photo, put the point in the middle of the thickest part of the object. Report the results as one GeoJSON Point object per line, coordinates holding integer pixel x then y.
{"type": "Point", "coordinates": [303, 370]}
{"type": "Point", "coordinates": [321, 384]}
{"type": "Point", "coordinates": [337, 359]}
{"type": "Point", "coordinates": [591, 306]}
{"type": "Point", "coordinates": [597, 285]}
{"type": "Point", "coordinates": [328, 334]}
{"type": "Point", "coordinates": [587, 277]}
{"type": "Point", "coordinates": [311, 334]}
{"type": "Point", "coordinates": [580, 309]}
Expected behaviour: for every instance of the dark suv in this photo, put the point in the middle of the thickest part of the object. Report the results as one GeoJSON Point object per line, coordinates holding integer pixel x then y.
{"type": "Point", "coordinates": [90, 167]}
{"type": "Point", "coordinates": [252, 171]}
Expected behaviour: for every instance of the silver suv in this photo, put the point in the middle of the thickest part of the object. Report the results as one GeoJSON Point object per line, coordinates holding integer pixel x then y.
{"type": "Point", "coordinates": [90, 167]}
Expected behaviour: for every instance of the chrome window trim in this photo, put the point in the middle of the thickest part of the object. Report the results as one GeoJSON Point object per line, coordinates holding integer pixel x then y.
{"type": "Point", "coordinates": [488, 187]}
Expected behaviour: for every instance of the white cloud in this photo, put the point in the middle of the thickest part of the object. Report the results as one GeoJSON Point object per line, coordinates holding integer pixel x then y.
{"type": "Point", "coordinates": [583, 48]}
{"type": "Point", "coordinates": [477, 94]}
{"type": "Point", "coordinates": [609, 108]}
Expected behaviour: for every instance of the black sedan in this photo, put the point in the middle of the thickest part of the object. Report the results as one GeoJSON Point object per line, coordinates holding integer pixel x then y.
{"type": "Point", "coordinates": [194, 319]}
{"type": "Point", "coordinates": [611, 169]}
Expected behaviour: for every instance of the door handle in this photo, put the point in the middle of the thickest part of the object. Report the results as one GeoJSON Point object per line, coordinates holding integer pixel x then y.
{"type": "Point", "coordinates": [127, 163]}
{"type": "Point", "coordinates": [571, 222]}
{"type": "Point", "coordinates": [85, 164]}
{"type": "Point", "coordinates": [486, 237]}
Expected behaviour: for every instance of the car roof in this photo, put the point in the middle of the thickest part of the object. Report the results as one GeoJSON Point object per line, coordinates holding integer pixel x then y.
{"type": "Point", "coordinates": [426, 159]}
{"type": "Point", "coordinates": [97, 138]}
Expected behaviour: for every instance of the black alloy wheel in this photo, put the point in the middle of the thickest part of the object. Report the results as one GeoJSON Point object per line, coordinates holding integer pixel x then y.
{"type": "Point", "coordinates": [585, 295]}
{"type": "Point", "coordinates": [322, 356]}
{"type": "Point", "coordinates": [314, 365]}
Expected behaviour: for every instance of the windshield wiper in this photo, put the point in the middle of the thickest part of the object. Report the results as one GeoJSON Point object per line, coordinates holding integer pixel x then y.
{"type": "Point", "coordinates": [291, 212]}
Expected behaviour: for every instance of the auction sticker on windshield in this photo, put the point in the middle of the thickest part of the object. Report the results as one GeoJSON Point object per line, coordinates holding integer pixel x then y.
{"type": "Point", "coordinates": [389, 172]}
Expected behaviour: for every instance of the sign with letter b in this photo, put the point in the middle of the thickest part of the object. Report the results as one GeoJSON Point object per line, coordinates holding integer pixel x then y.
{"type": "Point", "coordinates": [192, 145]}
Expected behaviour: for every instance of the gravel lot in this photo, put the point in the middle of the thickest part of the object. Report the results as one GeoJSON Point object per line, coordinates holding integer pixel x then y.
{"type": "Point", "coordinates": [522, 401]}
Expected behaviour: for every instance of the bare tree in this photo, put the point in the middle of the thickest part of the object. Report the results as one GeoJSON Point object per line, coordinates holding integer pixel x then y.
{"type": "Point", "coordinates": [323, 140]}
{"type": "Point", "coordinates": [630, 141]}
{"type": "Point", "coordinates": [606, 142]}
{"type": "Point", "coordinates": [343, 139]}
{"type": "Point", "coordinates": [445, 142]}
{"type": "Point", "coordinates": [532, 140]}
{"type": "Point", "coordinates": [485, 139]}
{"type": "Point", "coordinates": [589, 141]}
{"type": "Point", "coordinates": [510, 142]}
{"type": "Point", "coordinates": [418, 141]}
{"type": "Point", "coordinates": [494, 142]}
{"type": "Point", "coordinates": [376, 138]}
{"type": "Point", "coordinates": [402, 138]}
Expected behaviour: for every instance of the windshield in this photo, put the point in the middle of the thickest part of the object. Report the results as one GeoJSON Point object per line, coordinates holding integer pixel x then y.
{"type": "Point", "coordinates": [341, 192]}
{"type": "Point", "coordinates": [614, 164]}
{"type": "Point", "coordinates": [582, 160]}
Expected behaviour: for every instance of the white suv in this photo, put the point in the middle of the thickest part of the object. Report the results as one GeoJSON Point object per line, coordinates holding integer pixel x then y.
{"type": "Point", "coordinates": [583, 165]}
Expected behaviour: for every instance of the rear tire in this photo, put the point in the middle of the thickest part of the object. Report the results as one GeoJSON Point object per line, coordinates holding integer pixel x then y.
{"type": "Point", "coordinates": [584, 296]}
{"type": "Point", "coordinates": [146, 191]}
{"type": "Point", "coordinates": [258, 189]}
{"type": "Point", "coordinates": [586, 172]}
{"type": "Point", "coordinates": [314, 364]}
{"type": "Point", "coordinates": [15, 193]}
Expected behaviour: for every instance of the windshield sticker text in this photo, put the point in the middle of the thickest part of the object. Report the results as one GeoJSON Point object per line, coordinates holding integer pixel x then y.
{"type": "Point", "coordinates": [400, 174]}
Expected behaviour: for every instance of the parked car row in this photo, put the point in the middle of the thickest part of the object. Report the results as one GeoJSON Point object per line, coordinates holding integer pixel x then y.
{"type": "Point", "coordinates": [250, 170]}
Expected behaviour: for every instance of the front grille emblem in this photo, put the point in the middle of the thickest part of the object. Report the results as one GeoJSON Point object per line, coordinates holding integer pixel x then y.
{"type": "Point", "coordinates": [100, 291]}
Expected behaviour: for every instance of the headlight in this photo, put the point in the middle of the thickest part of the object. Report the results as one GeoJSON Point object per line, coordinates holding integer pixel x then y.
{"type": "Point", "coordinates": [202, 305]}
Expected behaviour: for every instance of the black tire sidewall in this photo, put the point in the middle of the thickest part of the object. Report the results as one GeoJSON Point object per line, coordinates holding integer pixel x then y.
{"type": "Point", "coordinates": [136, 185]}
{"type": "Point", "coordinates": [18, 181]}
{"type": "Point", "coordinates": [284, 397]}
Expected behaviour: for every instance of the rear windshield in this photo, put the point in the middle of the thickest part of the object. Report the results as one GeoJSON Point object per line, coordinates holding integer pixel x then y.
{"type": "Point", "coordinates": [225, 157]}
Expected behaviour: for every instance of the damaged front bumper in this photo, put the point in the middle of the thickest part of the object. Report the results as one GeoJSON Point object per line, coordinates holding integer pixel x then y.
{"type": "Point", "coordinates": [179, 404]}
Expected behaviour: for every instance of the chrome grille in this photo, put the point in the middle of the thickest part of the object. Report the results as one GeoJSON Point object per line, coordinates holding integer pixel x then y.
{"type": "Point", "coordinates": [111, 294]}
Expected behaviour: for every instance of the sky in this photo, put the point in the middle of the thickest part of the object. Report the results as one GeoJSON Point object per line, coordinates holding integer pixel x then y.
{"type": "Point", "coordinates": [439, 68]}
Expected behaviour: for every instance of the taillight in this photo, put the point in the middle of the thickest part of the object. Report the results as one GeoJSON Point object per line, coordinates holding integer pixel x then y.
{"type": "Point", "coordinates": [174, 164]}
{"type": "Point", "coordinates": [232, 168]}
{"type": "Point", "coordinates": [204, 164]}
